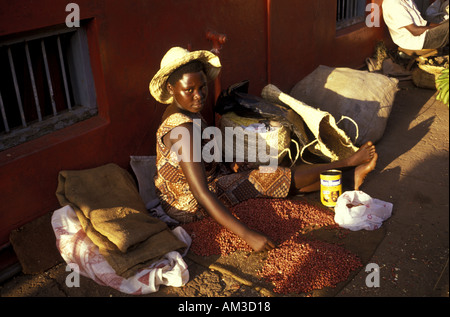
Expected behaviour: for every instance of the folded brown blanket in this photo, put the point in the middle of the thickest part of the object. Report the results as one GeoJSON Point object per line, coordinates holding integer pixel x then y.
{"type": "Point", "coordinates": [113, 215]}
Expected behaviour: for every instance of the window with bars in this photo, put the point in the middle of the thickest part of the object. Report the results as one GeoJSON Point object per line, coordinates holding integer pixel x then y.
{"type": "Point", "coordinates": [46, 84]}
{"type": "Point", "coordinates": [349, 12]}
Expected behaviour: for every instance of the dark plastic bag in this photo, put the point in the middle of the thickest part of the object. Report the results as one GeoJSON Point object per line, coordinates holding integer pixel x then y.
{"type": "Point", "coordinates": [237, 99]}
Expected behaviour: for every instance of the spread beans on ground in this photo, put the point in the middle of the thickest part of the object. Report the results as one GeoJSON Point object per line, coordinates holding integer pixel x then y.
{"type": "Point", "coordinates": [297, 265]}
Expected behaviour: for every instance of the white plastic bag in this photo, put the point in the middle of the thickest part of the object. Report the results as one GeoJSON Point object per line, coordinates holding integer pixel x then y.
{"type": "Point", "coordinates": [355, 210]}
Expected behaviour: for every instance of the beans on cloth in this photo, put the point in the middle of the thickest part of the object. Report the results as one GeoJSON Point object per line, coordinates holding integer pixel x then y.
{"type": "Point", "coordinates": [297, 265]}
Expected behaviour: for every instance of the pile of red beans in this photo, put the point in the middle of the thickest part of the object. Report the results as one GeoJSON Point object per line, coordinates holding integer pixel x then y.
{"type": "Point", "coordinates": [300, 266]}
{"type": "Point", "coordinates": [297, 265]}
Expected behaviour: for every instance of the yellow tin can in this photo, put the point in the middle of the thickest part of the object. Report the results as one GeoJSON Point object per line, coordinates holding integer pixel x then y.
{"type": "Point", "coordinates": [330, 187]}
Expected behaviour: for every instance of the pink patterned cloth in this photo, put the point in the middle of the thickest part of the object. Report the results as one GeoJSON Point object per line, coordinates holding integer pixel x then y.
{"type": "Point", "coordinates": [82, 255]}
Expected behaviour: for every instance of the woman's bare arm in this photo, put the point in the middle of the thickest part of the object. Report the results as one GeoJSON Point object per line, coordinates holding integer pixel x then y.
{"type": "Point", "coordinates": [196, 178]}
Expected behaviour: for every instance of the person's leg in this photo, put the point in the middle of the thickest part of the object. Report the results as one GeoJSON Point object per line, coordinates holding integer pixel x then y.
{"type": "Point", "coordinates": [437, 37]}
{"type": "Point", "coordinates": [306, 178]}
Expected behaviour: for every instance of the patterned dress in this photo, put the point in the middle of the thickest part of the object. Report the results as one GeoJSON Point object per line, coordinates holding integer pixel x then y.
{"type": "Point", "coordinates": [231, 188]}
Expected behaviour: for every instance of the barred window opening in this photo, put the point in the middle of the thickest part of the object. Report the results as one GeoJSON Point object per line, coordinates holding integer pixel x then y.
{"type": "Point", "coordinates": [46, 84]}
{"type": "Point", "coordinates": [349, 12]}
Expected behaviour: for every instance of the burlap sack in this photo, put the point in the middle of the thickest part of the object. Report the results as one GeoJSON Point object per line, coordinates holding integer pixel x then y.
{"type": "Point", "coordinates": [365, 97]}
{"type": "Point", "coordinates": [114, 217]}
{"type": "Point", "coordinates": [329, 142]}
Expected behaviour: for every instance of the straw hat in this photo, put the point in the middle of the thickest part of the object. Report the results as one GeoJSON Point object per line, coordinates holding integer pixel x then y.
{"type": "Point", "coordinates": [174, 58]}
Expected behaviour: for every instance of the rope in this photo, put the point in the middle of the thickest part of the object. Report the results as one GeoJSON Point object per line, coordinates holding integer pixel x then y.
{"type": "Point", "coordinates": [356, 126]}
{"type": "Point", "coordinates": [288, 150]}
{"type": "Point", "coordinates": [303, 149]}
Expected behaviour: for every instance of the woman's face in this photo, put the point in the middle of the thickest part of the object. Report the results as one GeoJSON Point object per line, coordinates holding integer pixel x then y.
{"type": "Point", "coordinates": [190, 92]}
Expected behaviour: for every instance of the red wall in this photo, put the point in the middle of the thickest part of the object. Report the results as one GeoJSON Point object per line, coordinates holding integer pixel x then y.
{"type": "Point", "coordinates": [303, 36]}
{"type": "Point", "coordinates": [127, 40]}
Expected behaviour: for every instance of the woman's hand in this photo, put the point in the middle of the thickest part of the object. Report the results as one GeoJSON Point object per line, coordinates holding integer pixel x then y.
{"type": "Point", "coordinates": [258, 241]}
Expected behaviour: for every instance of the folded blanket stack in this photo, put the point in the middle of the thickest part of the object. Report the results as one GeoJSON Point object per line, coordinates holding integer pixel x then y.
{"type": "Point", "coordinates": [114, 217]}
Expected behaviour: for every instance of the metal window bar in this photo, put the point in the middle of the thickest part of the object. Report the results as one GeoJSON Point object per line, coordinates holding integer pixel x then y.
{"type": "Point", "coordinates": [339, 11]}
{"type": "Point", "coordinates": [348, 5]}
{"type": "Point", "coordinates": [346, 9]}
{"type": "Point", "coordinates": [11, 56]}
{"type": "Point", "coordinates": [16, 88]}
{"type": "Point", "coordinates": [2, 109]}
{"type": "Point", "coordinates": [33, 83]}
{"type": "Point", "coordinates": [349, 12]}
{"type": "Point", "coordinates": [24, 44]}
{"type": "Point", "coordinates": [63, 69]}
{"type": "Point", "coordinates": [49, 80]}
{"type": "Point", "coordinates": [353, 8]}
{"type": "Point", "coordinates": [46, 86]}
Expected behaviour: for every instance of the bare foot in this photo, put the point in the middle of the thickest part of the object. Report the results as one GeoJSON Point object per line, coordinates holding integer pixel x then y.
{"type": "Point", "coordinates": [362, 170]}
{"type": "Point", "coordinates": [364, 155]}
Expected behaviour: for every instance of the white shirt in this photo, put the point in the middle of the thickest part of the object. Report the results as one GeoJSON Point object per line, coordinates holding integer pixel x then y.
{"type": "Point", "coordinates": [399, 13]}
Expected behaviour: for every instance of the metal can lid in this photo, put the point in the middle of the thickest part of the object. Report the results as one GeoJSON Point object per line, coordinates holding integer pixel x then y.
{"type": "Point", "coordinates": [331, 172]}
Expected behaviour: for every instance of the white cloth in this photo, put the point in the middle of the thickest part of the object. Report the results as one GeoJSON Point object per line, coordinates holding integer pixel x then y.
{"type": "Point", "coordinates": [157, 211]}
{"type": "Point", "coordinates": [399, 13]}
{"type": "Point", "coordinates": [356, 210]}
{"type": "Point", "coordinates": [82, 255]}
